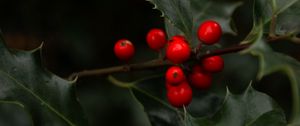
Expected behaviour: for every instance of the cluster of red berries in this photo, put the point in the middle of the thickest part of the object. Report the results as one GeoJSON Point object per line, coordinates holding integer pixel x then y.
{"type": "Point", "coordinates": [179, 92]}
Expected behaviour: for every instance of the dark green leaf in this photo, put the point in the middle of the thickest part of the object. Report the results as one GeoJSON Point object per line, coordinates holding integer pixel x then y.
{"type": "Point", "coordinates": [218, 10]}
{"type": "Point", "coordinates": [109, 105]}
{"type": "Point", "coordinates": [14, 114]}
{"type": "Point", "coordinates": [249, 108]}
{"type": "Point", "coordinates": [184, 16]}
{"type": "Point", "coordinates": [287, 12]}
{"type": "Point", "coordinates": [49, 99]}
{"type": "Point", "coordinates": [271, 62]}
{"type": "Point", "coordinates": [171, 29]}
{"type": "Point", "coordinates": [178, 12]}
{"type": "Point", "coordinates": [151, 93]}
{"type": "Point", "coordinates": [288, 20]}
{"type": "Point", "coordinates": [269, 118]}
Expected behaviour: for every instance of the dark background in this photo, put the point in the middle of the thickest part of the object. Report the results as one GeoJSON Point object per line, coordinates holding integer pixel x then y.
{"type": "Point", "coordinates": [76, 34]}
{"type": "Point", "coordinates": [80, 35]}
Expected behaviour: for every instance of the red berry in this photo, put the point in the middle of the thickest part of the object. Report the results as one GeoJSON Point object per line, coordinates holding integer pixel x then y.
{"type": "Point", "coordinates": [199, 78]}
{"type": "Point", "coordinates": [156, 39]}
{"type": "Point", "coordinates": [178, 51]}
{"type": "Point", "coordinates": [178, 37]}
{"type": "Point", "coordinates": [213, 64]}
{"type": "Point", "coordinates": [197, 68]}
{"type": "Point", "coordinates": [169, 85]}
{"type": "Point", "coordinates": [124, 49]}
{"type": "Point", "coordinates": [209, 32]}
{"type": "Point", "coordinates": [181, 95]}
{"type": "Point", "coordinates": [175, 75]}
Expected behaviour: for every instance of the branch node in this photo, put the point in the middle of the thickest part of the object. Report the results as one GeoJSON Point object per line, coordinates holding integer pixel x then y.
{"type": "Point", "coordinates": [126, 68]}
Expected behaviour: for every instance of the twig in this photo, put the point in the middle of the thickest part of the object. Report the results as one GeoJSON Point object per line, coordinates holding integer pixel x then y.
{"type": "Point", "coordinates": [125, 68]}
{"type": "Point", "coordinates": [161, 63]}
{"type": "Point", "coordinates": [289, 37]}
{"type": "Point", "coordinates": [273, 25]}
{"type": "Point", "coordinates": [273, 19]}
{"type": "Point", "coordinates": [149, 64]}
{"type": "Point", "coordinates": [223, 51]}
{"type": "Point", "coordinates": [295, 40]}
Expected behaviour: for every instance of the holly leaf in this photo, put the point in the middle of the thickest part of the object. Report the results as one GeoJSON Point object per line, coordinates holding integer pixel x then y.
{"type": "Point", "coordinates": [248, 108]}
{"type": "Point", "coordinates": [151, 93]}
{"type": "Point", "coordinates": [184, 16]}
{"type": "Point", "coordinates": [288, 20]}
{"type": "Point", "coordinates": [286, 12]}
{"type": "Point", "coordinates": [49, 99]}
{"type": "Point", "coordinates": [271, 62]}
{"type": "Point", "coordinates": [218, 10]}
{"type": "Point", "coordinates": [14, 114]}
{"type": "Point", "coordinates": [171, 30]}
{"type": "Point", "coordinates": [178, 12]}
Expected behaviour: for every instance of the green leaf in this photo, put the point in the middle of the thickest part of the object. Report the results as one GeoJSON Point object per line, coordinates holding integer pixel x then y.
{"type": "Point", "coordinates": [49, 99]}
{"type": "Point", "coordinates": [288, 20]}
{"type": "Point", "coordinates": [171, 30]}
{"type": "Point", "coordinates": [109, 105]}
{"type": "Point", "coordinates": [250, 108]}
{"type": "Point", "coordinates": [218, 10]}
{"type": "Point", "coordinates": [151, 93]}
{"type": "Point", "coordinates": [271, 62]}
{"type": "Point", "coordinates": [286, 11]}
{"type": "Point", "coordinates": [268, 119]}
{"type": "Point", "coordinates": [14, 114]}
{"type": "Point", "coordinates": [178, 12]}
{"type": "Point", "coordinates": [184, 16]}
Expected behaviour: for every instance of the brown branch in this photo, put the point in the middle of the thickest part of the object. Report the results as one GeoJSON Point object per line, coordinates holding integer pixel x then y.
{"type": "Point", "coordinates": [150, 64]}
{"type": "Point", "coordinates": [295, 40]}
{"type": "Point", "coordinates": [288, 37]}
{"type": "Point", "coordinates": [124, 68]}
{"type": "Point", "coordinates": [161, 63]}
{"type": "Point", "coordinates": [232, 49]}
{"type": "Point", "coordinates": [273, 25]}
